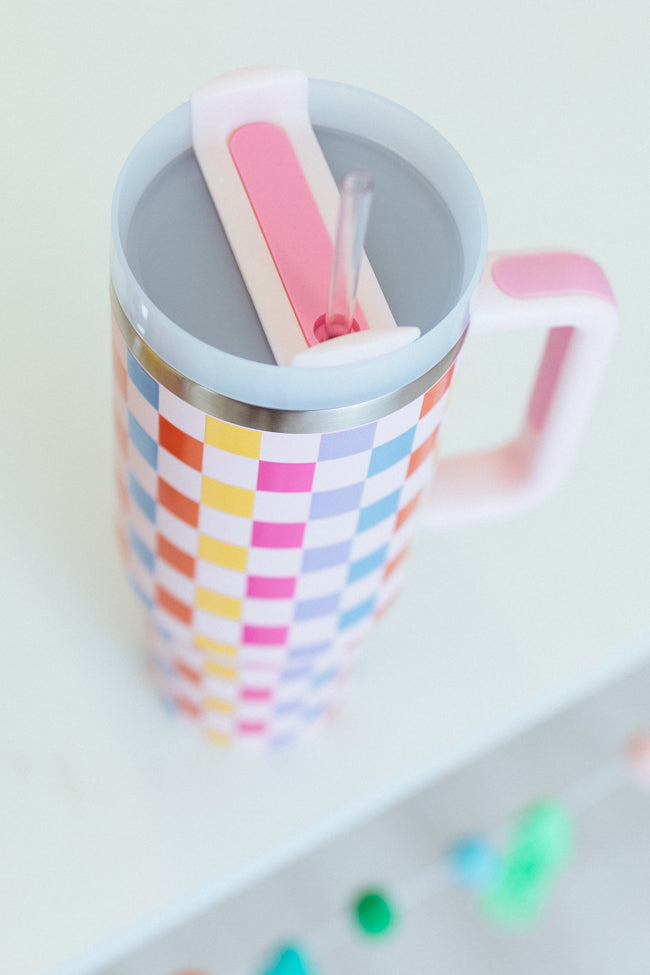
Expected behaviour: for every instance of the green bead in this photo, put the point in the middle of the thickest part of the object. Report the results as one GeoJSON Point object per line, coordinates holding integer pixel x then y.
{"type": "Point", "coordinates": [520, 894]}
{"type": "Point", "coordinates": [541, 845]}
{"type": "Point", "coordinates": [373, 913]}
{"type": "Point", "coordinates": [545, 833]}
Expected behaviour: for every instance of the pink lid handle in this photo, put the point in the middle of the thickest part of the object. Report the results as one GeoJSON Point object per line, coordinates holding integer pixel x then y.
{"type": "Point", "coordinates": [568, 294]}
{"type": "Point", "coordinates": [278, 203]}
{"type": "Point", "coordinates": [301, 246]}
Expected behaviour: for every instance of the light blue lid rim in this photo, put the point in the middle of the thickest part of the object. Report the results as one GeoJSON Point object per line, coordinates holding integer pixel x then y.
{"type": "Point", "coordinates": [336, 106]}
{"type": "Point", "coordinates": [275, 419]}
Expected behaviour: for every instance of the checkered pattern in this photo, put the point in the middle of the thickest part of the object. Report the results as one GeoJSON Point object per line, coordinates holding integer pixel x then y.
{"type": "Point", "coordinates": [262, 558]}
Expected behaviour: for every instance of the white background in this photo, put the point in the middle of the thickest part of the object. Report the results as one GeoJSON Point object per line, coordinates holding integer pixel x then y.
{"type": "Point", "coordinates": [109, 809]}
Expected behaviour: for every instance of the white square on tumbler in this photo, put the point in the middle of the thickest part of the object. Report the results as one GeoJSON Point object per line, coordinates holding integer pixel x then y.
{"type": "Point", "coordinates": [180, 534]}
{"type": "Point", "coordinates": [392, 586]}
{"type": "Point", "coordinates": [216, 721]}
{"type": "Point", "coordinates": [267, 612]}
{"type": "Point", "coordinates": [313, 584]}
{"type": "Point", "coordinates": [229, 468]}
{"type": "Point", "coordinates": [142, 410]}
{"type": "Point", "coordinates": [328, 531]}
{"type": "Point", "coordinates": [189, 691]}
{"type": "Point", "coordinates": [290, 692]}
{"type": "Point", "coordinates": [250, 709]}
{"type": "Point", "coordinates": [121, 410]}
{"type": "Point", "coordinates": [365, 543]}
{"type": "Point", "coordinates": [216, 627]}
{"type": "Point", "coordinates": [171, 624]}
{"type": "Point", "coordinates": [257, 679]}
{"type": "Point", "coordinates": [265, 660]}
{"type": "Point", "coordinates": [178, 631]}
{"type": "Point", "coordinates": [222, 690]}
{"type": "Point", "coordinates": [428, 423]}
{"type": "Point", "coordinates": [341, 472]}
{"type": "Point", "coordinates": [392, 426]}
{"type": "Point", "coordinates": [141, 576]}
{"type": "Point", "coordinates": [142, 470]}
{"type": "Point", "coordinates": [175, 582]}
{"type": "Point", "coordinates": [143, 528]}
{"type": "Point", "coordinates": [179, 475]}
{"type": "Point", "coordinates": [278, 562]}
{"type": "Point", "coordinates": [280, 507]}
{"type": "Point", "coordinates": [188, 654]}
{"type": "Point", "coordinates": [228, 582]}
{"type": "Point", "coordinates": [381, 485]}
{"type": "Point", "coordinates": [358, 592]}
{"type": "Point", "coordinates": [183, 415]}
{"type": "Point", "coordinates": [285, 448]}
{"type": "Point", "coordinates": [416, 483]}
{"type": "Point", "coordinates": [306, 633]}
{"type": "Point", "coordinates": [232, 529]}
{"type": "Point", "coordinates": [356, 634]}
{"type": "Point", "coordinates": [401, 539]}
{"type": "Point", "coordinates": [285, 725]}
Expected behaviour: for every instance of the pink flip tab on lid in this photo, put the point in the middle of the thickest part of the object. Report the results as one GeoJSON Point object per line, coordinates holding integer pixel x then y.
{"type": "Point", "coordinates": [298, 243]}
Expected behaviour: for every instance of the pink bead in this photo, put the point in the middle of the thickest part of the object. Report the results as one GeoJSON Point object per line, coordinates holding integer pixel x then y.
{"type": "Point", "coordinates": [638, 755]}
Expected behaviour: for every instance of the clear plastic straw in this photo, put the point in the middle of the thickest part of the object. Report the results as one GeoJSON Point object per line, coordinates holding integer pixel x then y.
{"type": "Point", "coordinates": [356, 197]}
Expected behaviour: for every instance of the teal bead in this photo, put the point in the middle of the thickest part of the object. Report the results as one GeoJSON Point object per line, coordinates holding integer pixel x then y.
{"type": "Point", "coordinates": [289, 961]}
{"type": "Point", "coordinates": [475, 863]}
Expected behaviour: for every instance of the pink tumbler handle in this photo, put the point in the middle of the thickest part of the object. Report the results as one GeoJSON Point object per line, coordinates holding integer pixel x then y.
{"type": "Point", "coordinates": [570, 295]}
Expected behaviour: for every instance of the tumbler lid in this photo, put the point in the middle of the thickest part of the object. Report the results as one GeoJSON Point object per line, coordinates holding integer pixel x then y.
{"type": "Point", "coordinates": [335, 108]}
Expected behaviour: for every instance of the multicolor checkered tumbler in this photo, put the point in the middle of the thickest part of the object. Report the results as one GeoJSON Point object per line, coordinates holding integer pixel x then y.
{"type": "Point", "coordinates": [265, 511]}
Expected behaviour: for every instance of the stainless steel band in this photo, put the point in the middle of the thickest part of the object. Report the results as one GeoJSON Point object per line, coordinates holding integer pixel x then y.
{"type": "Point", "coordinates": [274, 420]}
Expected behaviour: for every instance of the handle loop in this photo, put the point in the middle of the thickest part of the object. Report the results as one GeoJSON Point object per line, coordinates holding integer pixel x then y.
{"type": "Point", "coordinates": [569, 294]}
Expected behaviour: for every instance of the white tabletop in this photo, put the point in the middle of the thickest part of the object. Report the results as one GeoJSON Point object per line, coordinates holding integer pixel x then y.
{"type": "Point", "coordinates": [110, 809]}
